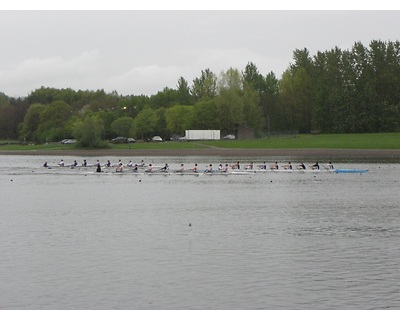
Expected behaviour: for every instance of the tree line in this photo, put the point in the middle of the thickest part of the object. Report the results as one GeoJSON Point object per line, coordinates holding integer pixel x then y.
{"type": "Point", "coordinates": [336, 91]}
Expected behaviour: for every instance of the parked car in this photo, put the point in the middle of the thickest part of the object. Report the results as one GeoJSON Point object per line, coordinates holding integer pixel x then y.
{"type": "Point", "coordinates": [119, 140]}
{"type": "Point", "coordinates": [156, 139]}
{"type": "Point", "coordinates": [68, 141]}
{"type": "Point", "coordinates": [131, 140]}
{"type": "Point", "coordinates": [230, 137]}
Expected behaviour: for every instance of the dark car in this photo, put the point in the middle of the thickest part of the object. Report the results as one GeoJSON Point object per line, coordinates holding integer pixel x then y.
{"type": "Point", "coordinates": [119, 140]}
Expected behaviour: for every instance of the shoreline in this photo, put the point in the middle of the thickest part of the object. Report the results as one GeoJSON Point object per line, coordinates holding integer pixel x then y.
{"type": "Point", "coordinates": [359, 155]}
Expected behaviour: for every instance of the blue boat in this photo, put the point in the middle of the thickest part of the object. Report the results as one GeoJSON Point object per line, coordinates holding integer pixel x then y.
{"type": "Point", "coordinates": [351, 170]}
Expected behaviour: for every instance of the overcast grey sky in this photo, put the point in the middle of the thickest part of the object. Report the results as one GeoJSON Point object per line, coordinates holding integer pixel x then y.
{"type": "Point", "coordinates": [141, 52]}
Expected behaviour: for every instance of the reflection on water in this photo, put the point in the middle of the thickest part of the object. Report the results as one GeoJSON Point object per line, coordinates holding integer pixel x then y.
{"type": "Point", "coordinates": [79, 240]}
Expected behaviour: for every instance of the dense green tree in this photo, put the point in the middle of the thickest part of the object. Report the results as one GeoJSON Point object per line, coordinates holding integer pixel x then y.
{"type": "Point", "coordinates": [11, 118]}
{"type": "Point", "coordinates": [161, 126]}
{"type": "Point", "coordinates": [328, 89]}
{"type": "Point", "coordinates": [53, 122]}
{"type": "Point", "coordinates": [107, 117]}
{"type": "Point", "coordinates": [132, 105]}
{"type": "Point", "coordinates": [164, 99]}
{"type": "Point", "coordinates": [123, 126]}
{"type": "Point", "coordinates": [205, 87]}
{"type": "Point", "coordinates": [183, 92]}
{"type": "Point", "coordinates": [252, 112]}
{"type": "Point", "coordinates": [4, 100]}
{"type": "Point", "coordinates": [146, 123]}
{"type": "Point", "coordinates": [179, 118]}
{"type": "Point", "coordinates": [205, 116]}
{"type": "Point", "coordinates": [270, 109]}
{"type": "Point", "coordinates": [384, 60]}
{"type": "Point", "coordinates": [230, 111]}
{"type": "Point", "coordinates": [230, 79]}
{"type": "Point", "coordinates": [88, 132]}
{"type": "Point", "coordinates": [43, 95]}
{"type": "Point", "coordinates": [31, 122]}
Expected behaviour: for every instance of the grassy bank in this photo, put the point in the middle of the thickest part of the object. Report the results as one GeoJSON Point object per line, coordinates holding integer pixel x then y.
{"type": "Point", "coordinates": [320, 141]}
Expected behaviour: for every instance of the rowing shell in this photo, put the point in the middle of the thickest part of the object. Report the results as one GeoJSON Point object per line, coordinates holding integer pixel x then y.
{"type": "Point", "coordinates": [351, 170]}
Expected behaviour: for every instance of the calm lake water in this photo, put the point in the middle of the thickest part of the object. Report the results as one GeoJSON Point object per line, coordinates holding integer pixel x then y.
{"type": "Point", "coordinates": [72, 239]}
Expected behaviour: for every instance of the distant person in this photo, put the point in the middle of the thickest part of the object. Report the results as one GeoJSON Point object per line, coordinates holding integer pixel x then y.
{"type": "Point", "coordinates": [98, 169]}
{"type": "Point", "coordinates": [301, 166]}
{"type": "Point", "coordinates": [75, 163]}
{"type": "Point", "coordinates": [262, 166]}
{"type": "Point", "coordinates": [84, 164]}
{"type": "Point", "coordinates": [288, 166]}
{"type": "Point", "coordinates": [315, 166]}
{"type": "Point", "coordinates": [249, 166]}
{"type": "Point", "coordinates": [130, 164]}
{"type": "Point", "coordinates": [61, 164]}
{"type": "Point", "coordinates": [108, 164]}
{"type": "Point", "coordinates": [195, 168]}
{"type": "Point", "coordinates": [165, 168]}
{"type": "Point", "coordinates": [119, 167]}
{"type": "Point", "coordinates": [45, 164]}
{"type": "Point", "coordinates": [237, 165]}
{"type": "Point", "coordinates": [274, 166]}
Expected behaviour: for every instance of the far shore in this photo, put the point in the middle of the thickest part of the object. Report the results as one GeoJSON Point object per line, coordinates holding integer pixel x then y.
{"type": "Point", "coordinates": [338, 155]}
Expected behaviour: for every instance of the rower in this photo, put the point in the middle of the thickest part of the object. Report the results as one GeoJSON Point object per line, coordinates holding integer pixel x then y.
{"type": "Point", "coordinates": [235, 165]}
{"type": "Point", "coordinates": [262, 166]}
{"type": "Point", "coordinates": [274, 166]}
{"type": "Point", "coordinates": [288, 166]}
{"type": "Point", "coordinates": [165, 168]}
{"type": "Point", "coordinates": [249, 166]}
{"type": "Point", "coordinates": [61, 163]}
{"type": "Point", "coordinates": [315, 166]}
{"type": "Point", "coordinates": [301, 166]}
{"type": "Point", "coordinates": [119, 168]}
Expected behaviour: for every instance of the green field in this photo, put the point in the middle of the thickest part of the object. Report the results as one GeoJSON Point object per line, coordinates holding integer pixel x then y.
{"type": "Point", "coordinates": [320, 141]}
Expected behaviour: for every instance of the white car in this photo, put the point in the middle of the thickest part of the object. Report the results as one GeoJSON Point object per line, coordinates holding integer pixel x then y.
{"type": "Point", "coordinates": [68, 141]}
{"type": "Point", "coordinates": [230, 137]}
{"type": "Point", "coordinates": [156, 138]}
